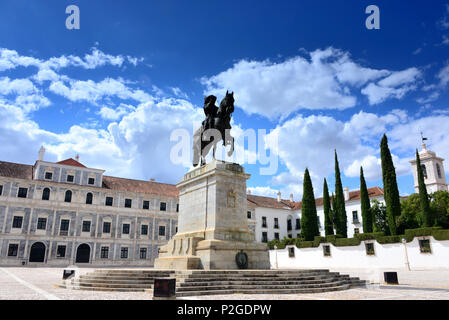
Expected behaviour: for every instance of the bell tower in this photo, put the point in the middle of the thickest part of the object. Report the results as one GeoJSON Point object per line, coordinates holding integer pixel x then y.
{"type": "Point", "coordinates": [433, 170]}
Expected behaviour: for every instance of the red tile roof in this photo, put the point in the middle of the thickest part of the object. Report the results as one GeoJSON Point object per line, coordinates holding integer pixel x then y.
{"type": "Point", "coordinates": [24, 171]}
{"type": "Point", "coordinates": [16, 170]}
{"type": "Point", "coordinates": [267, 202]}
{"type": "Point", "coordinates": [141, 186]}
{"type": "Point", "coordinates": [71, 162]}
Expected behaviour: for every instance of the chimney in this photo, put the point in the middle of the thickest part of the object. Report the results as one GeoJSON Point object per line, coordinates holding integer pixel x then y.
{"type": "Point", "coordinates": [41, 153]}
{"type": "Point", "coordinates": [248, 191]}
{"type": "Point", "coordinates": [291, 197]}
{"type": "Point", "coordinates": [346, 193]}
{"type": "Point", "coordinates": [279, 196]}
{"type": "Point", "coordinates": [77, 157]}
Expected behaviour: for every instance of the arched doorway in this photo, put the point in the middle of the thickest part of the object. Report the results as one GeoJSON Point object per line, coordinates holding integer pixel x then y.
{"type": "Point", "coordinates": [83, 254]}
{"type": "Point", "coordinates": [37, 252]}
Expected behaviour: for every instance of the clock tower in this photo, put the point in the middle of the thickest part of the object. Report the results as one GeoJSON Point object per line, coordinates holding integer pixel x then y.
{"type": "Point", "coordinates": [433, 171]}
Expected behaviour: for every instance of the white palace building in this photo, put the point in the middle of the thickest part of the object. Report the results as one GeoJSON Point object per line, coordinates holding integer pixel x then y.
{"type": "Point", "coordinates": [65, 213]}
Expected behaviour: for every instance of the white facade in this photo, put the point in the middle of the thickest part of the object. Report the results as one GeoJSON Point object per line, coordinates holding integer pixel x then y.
{"type": "Point", "coordinates": [395, 256]}
{"type": "Point", "coordinates": [58, 214]}
{"type": "Point", "coordinates": [433, 170]}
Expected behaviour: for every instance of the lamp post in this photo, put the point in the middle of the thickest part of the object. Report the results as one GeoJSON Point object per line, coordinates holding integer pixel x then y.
{"type": "Point", "coordinates": [275, 256]}
{"type": "Point", "coordinates": [407, 263]}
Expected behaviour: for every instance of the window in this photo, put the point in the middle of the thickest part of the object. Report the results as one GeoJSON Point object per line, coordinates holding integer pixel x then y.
{"type": "Point", "coordinates": [248, 214]}
{"type": "Point", "coordinates": [48, 175]}
{"type": "Point", "coordinates": [290, 236]}
{"type": "Point", "coordinates": [124, 253]}
{"type": "Point", "coordinates": [64, 229]}
{"type": "Point", "coordinates": [12, 250]}
{"type": "Point", "coordinates": [424, 246]}
{"type": "Point", "coordinates": [298, 224]}
{"type": "Point", "coordinates": [89, 198]}
{"type": "Point", "coordinates": [424, 171]}
{"type": "Point", "coordinates": [163, 206]}
{"type": "Point", "coordinates": [264, 222]}
{"type": "Point", "coordinates": [104, 252]}
{"type": "Point", "coordinates": [60, 252]}
{"type": "Point", "coordinates": [17, 222]}
{"type": "Point", "coordinates": [109, 201]}
{"type": "Point", "coordinates": [1, 190]}
{"type": "Point", "coordinates": [264, 237]}
{"type": "Point", "coordinates": [438, 171]}
{"type": "Point", "coordinates": [355, 217]}
{"type": "Point", "coordinates": [106, 227]}
{"type": "Point", "coordinates": [128, 203]}
{"type": "Point", "coordinates": [125, 228]}
{"type": "Point", "coordinates": [289, 225]}
{"type": "Point", "coordinates": [177, 207]}
{"type": "Point", "coordinates": [356, 230]}
{"type": "Point", "coordinates": [22, 192]}
{"type": "Point", "coordinates": [68, 196]}
{"type": "Point", "coordinates": [70, 178]}
{"type": "Point", "coordinates": [86, 226]}
{"type": "Point", "coordinates": [41, 223]}
{"type": "Point", "coordinates": [327, 251]}
{"type": "Point", "coordinates": [291, 252]}
{"type": "Point", "coordinates": [319, 222]}
{"type": "Point", "coordinates": [369, 249]}
{"type": "Point", "coordinates": [91, 181]}
{"type": "Point", "coordinates": [276, 235]}
{"type": "Point", "coordinates": [276, 223]}
{"type": "Point", "coordinates": [143, 253]}
{"type": "Point", "coordinates": [144, 230]}
{"type": "Point", "coordinates": [46, 194]}
{"type": "Point", "coordinates": [162, 230]}
{"type": "Point", "coordinates": [146, 204]}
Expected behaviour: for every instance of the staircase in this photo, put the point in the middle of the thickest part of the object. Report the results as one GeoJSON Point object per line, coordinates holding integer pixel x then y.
{"type": "Point", "coordinates": [213, 282]}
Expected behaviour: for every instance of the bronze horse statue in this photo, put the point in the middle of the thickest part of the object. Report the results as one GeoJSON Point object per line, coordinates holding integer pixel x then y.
{"type": "Point", "coordinates": [215, 128]}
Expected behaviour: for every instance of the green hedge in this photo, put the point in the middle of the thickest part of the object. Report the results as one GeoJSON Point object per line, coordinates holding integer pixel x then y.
{"type": "Point", "coordinates": [389, 239]}
{"type": "Point", "coordinates": [369, 236]}
{"type": "Point", "coordinates": [410, 234]}
{"type": "Point", "coordinates": [343, 242]}
{"type": "Point", "coordinates": [440, 234]}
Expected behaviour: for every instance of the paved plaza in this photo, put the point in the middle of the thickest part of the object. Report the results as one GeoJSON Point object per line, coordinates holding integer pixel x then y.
{"type": "Point", "coordinates": [41, 284]}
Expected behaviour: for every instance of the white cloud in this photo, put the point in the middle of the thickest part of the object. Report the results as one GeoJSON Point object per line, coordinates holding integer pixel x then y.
{"type": "Point", "coordinates": [328, 80]}
{"type": "Point", "coordinates": [443, 76]}
{"type": "Point", "coordinates": [78, 90]}
{"type": "Point", "coordinates": [136, 147]}
{"type": "Point", "coordinates": [394, 86]}
{"type": "Point", "coordinates": [115, 114]}
{"type": "Point", "coordinates": [11, 59]}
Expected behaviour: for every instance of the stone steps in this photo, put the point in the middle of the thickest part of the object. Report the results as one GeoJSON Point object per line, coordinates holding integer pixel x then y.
{"type": "Point", "coordinates": [261, 291]}
{"type": "Point", "coordinates": [202, 282]}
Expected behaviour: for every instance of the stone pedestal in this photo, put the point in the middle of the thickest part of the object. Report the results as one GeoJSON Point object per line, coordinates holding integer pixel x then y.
{"type": "Point", "coordinates": [212, 224]}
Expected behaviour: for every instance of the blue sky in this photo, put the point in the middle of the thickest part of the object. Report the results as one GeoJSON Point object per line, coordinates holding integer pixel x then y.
{"type": "Point", "coordinates": [114, 90]}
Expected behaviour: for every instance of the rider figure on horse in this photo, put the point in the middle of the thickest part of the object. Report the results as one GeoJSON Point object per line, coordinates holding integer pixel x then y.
{"type": "Point", "coordinates": [210, 110]}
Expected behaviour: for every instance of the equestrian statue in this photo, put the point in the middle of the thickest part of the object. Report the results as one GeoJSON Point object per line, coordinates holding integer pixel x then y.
{"type": "Point", "coordinates": [215, 128]}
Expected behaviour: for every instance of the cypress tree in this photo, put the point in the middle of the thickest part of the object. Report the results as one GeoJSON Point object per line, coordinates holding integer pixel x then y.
{"type": "Point", "coordinates": [391, 192]}
{"type": "Point", "coordinates": [340, 209]}
{"type": "Point", "coordinates": [367, 215]}
{"type": "Point", "coordinates": [328, 225]}
{"type": "Point", "coordinates": [423, 197]}
{"type": "Point", "coordinates": [309, 221]}
{"type": "Point", "coordinates": [333, 215]}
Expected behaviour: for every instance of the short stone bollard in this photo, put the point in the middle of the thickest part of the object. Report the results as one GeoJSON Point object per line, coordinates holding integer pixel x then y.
{"type": "Point", "coordinates": [391, 277]}
{"type": "Point", "coordinates": [164, 289]}
{"type": "Point", "coordinates": [68, 273]}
